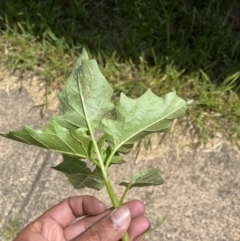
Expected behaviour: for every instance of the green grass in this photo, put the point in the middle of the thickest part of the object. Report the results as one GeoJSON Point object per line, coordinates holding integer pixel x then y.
{"type": "Point", "coordinates": [188, 46]}
{"type": "Point", "coordinates": [11, 229]}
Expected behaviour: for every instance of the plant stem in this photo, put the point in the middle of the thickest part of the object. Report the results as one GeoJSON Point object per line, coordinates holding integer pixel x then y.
{"type": "Point", "coordinates": [108, 185]}
{"type": "Point", "coordinates": [104, 169]}
{"type": "Point", "coordinates": [125, 237]}
{"type": "Point", "coordinates": [108, 161]}
{"type": "Point", "coordinates": [95, 162]}
{"type": "Point", "coordinates": [124, 193]}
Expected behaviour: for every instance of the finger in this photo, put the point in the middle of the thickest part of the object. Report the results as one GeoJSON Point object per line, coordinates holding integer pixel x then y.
{"type": "Point", "coordinates": [71, 208]}
{"type": "Point", "coordinates": [138, 227]}
{"type": "Point", "coordinates": [81, 225]}
{"type": "Point", "coordinates": [135, 207]}
{"type": "Point", "coordinates": [109, 228]}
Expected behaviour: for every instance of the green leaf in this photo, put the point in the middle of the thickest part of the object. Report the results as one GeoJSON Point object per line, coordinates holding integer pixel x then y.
{"type": "Point", "coordinates": [136, 118]}
{"type": "Point", "coordinates": [86, 96]}
{"type": "Point", "coordinates": [79, 175]}
{"type": "Point", "coordinates": [149, 177]}
{"type": "Point", "coordinates": [84, 101]}
{"type": "Point", "coordinates": [117, 159]}
{"type": "Point", "coordinates": [55, 137]}
{"type": "Point", "coordinates": [100, 144]}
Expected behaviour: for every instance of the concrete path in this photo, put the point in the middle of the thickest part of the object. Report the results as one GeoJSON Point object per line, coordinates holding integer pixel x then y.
{"type": "Point", "coordinates": [202, 186]}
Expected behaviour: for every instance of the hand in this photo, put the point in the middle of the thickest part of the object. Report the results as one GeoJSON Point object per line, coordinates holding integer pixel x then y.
{"type": "Point", "coordinates": [96, 224]}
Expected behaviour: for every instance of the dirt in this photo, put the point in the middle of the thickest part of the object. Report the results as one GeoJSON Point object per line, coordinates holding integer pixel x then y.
{"type": "Point", "coordinates": [201, 189]}
{"type": "Point", "coordinates": [35, 86]}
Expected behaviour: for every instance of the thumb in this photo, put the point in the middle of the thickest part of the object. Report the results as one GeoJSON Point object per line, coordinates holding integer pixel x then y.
{"type": "Point", "coordinates": [110, 228]}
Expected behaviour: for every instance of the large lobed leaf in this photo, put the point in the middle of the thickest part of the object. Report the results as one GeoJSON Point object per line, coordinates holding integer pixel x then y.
{"type": "Point", "coordinates": [84, 101]}
{"type": "Point", "coordinates": [136, 118]}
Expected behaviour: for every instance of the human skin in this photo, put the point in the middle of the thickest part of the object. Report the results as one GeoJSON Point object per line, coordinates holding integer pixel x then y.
{"type": "Point", "coordinates": [96, 223]}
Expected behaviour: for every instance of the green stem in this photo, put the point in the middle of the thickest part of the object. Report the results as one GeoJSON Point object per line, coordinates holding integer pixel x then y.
{"type": "Point", "coordinates": [101, 163]}
{"type": "Point", "coordinates": [124, 193]}
{"type": "Point", "coordinates": [125, 237]}
{"type": "Point", "coordinates": [108, 185]}
{"type": "Point", "coordinates": [95, 162]}
{"type": "Point", "coordinates": [108, 161]}
{"type": "Point", "coordinates": [157, 226]}
{"type": "Point", "coordinates": [104, 169]}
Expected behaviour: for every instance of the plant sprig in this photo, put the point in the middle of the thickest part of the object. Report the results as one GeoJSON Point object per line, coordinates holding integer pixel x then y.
{"type": "Point", "coordinates": [85, 101]}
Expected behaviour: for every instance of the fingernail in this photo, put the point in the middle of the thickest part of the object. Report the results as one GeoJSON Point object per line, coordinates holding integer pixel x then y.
{"type": "Point", "coordinates": [120, 215]}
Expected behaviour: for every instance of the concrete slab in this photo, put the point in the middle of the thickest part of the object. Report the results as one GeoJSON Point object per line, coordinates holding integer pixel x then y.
{"type": "Point", "coordinates": [201, 185]}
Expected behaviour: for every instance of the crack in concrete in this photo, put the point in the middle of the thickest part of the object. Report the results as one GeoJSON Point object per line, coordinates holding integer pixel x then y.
{"type": "Point", "coordinates": [48, 156]}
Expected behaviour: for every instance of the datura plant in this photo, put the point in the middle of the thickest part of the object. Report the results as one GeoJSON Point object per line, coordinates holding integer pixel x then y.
{"type": "Point", "coordinates": [85, 101]}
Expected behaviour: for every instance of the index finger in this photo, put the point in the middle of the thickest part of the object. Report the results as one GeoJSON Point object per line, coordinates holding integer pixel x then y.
{"type": "Point", "coordinates": [71, 208]}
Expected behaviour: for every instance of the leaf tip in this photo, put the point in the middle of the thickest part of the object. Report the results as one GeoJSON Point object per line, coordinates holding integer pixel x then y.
{"type": "Point", "coordinates": [84, 54]}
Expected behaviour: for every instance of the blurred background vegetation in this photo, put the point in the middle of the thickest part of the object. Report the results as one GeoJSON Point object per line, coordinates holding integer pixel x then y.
{"type": "Point", "coordinates": [188, 46]}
